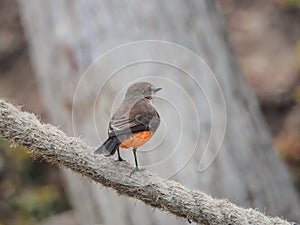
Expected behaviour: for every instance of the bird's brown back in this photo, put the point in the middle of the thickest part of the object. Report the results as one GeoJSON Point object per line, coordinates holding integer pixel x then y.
{"type": "Point", "coordinates": [134, 115]}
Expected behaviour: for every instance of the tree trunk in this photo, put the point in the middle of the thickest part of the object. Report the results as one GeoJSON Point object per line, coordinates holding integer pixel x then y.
{"type": "Point", "coordinates": [66, 37]}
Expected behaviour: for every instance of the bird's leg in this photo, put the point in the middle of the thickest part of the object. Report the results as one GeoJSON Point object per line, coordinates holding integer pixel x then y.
{"type": "Point", "coordinates": [136, 163]}
{"type": "Point", "coordinates": [119, 156]}
{"type": "Point", "coordinates": [135, 159]}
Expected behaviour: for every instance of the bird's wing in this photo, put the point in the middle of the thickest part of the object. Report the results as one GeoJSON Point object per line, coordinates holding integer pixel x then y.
{"type": "Point", "coordinates": [140, 117]}
{"type": "Point", "coordinates": [127, 125]}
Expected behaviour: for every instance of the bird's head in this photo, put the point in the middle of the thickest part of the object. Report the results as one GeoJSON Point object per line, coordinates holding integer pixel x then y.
{"type": "Point", "coordinates": [141, 90]}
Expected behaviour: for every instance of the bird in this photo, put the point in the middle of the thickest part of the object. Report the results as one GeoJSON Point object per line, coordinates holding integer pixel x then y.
{"type": "Point", "coordinates": [134, 122]}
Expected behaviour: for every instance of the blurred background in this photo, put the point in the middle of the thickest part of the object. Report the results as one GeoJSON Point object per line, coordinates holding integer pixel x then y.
{"type": "Point", "coordinates": [265, 37]}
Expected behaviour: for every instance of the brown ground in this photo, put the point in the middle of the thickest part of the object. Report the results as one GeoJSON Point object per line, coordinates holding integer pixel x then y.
{"type": "Point", "coordinates": [23, 182]}
{"type": "Point", "coordinates": [17, 81]}
{"type": "Point", "coordinates": [266, 38]}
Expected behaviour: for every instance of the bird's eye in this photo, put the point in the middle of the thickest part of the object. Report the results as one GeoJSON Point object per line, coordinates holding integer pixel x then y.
{"type": "Point", "coordinates": [148, 97]}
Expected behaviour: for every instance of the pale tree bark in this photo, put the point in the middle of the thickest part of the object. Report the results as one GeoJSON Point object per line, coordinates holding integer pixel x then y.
{"type": "Point", "coordinates": [67, 36]}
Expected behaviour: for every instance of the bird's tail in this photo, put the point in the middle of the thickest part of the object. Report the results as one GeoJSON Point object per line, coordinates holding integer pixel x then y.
{"type": "Point", "coordinates": [109, 147]}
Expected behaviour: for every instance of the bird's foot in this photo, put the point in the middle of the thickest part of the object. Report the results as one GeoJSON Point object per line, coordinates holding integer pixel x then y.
{"type": "Point", "coordinates": [120, 159]}
{"type": "Point", "coordinates": [136, 169]}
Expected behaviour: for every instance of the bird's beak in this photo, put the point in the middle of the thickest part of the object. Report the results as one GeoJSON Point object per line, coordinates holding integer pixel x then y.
{"type": "Point", "coordinates": [157, 89]}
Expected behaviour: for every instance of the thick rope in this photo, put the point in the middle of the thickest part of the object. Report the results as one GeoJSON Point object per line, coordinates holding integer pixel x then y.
{"type": "Point", "coordinates": [51, 144]}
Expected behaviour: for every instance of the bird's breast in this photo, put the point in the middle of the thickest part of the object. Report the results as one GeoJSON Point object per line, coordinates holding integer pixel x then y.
{"type": "Point", "coordinates": [136, 140]}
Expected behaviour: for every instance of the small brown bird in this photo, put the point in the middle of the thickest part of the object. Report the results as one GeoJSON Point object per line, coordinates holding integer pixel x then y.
{"type": "Point", "coordinates": [134, 122]}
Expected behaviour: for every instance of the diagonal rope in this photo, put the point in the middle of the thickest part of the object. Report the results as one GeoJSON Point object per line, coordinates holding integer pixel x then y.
{"type": "Point", "coordinates": [51, 144]}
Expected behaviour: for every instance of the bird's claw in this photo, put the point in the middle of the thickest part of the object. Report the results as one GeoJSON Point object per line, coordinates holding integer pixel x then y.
{"type": "Point", "coordinates": [120, 160]}
{"type": "Point", "coordinates": [136, 169]}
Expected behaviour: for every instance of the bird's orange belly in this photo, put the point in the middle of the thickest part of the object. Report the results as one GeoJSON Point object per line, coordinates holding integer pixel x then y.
{"type": "Point", "coordinates": [137, 140]}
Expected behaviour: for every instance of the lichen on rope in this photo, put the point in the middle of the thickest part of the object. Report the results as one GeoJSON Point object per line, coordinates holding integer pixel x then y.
{"type": "Point", "coordinates": [54, 146]}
